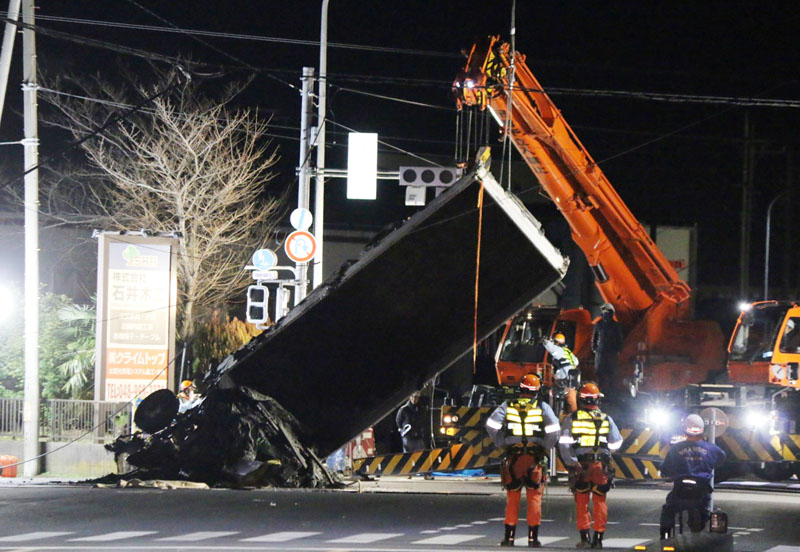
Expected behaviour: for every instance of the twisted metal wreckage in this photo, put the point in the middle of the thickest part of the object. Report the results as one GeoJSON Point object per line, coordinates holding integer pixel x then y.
{"type": "Point", "coordinates": [358, 345]}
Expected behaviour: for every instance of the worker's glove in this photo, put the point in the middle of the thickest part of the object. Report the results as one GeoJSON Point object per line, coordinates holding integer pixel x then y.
{"type": "Point", "coordinates": [562, 374]}
{"type": "Point", "coordinates": [405, 429]}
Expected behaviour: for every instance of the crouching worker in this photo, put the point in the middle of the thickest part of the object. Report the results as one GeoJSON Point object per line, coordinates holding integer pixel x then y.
{"type": "Point", "coordinates": [526, 429]}
{"type": "Point", "coordinates": [690, 465]}
{"type": "Point", "coordinates": [587, 438]}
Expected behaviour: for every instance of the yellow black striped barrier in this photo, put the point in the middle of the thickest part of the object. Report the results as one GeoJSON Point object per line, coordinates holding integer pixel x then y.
{"type": "Point", "coordinates": [638, 458]}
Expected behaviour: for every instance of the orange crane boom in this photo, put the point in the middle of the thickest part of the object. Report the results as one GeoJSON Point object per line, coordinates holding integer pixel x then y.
{"type": "Point", "coordinates": [651, 301]}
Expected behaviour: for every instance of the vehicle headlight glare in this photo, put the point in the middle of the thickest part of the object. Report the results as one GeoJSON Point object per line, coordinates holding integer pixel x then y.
{"type": "Point", "coordinates": [447, 418]}
{"type": "Point", "coordinates": [454, 418]}
{"type": "Point", "coordinates": [756, 419]}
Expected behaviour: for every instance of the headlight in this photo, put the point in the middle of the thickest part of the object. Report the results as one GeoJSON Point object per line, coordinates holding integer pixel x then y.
{"type": "Point", "coordinates": [443, 430]}
{"type": "Point", "coordinates": [756, 419]}
{"type": "Point", "coordinates": [658, 417]}
{"type": "Point", "coordinates": [454, 418]}
{"type": "Point", "coordinates": [744, 307]}
{"type": "Point", "coordinates": [447, 419]}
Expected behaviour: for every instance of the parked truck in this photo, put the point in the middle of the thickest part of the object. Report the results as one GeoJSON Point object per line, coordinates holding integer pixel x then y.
{"type": "Point", "coordinates": [670, 363]}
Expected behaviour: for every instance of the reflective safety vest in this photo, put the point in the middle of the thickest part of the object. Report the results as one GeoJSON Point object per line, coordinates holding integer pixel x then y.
{"type": "Point", "coordinates": [524, 418]}
{"type": "Point", "coordinates": [569, 359]}
{"type": "Point", "coordinates": [590, 429]}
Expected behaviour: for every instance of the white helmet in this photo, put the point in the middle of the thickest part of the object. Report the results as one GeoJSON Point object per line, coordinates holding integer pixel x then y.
{"type": "Point", "coordinates": [608, 307]}
{"type": "Point", "coordinates": [693, 424]}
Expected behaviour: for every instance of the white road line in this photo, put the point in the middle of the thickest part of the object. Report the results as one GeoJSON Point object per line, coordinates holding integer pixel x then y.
{"type": "Point", "coordinates": [34, 536]}
{"type": "Point", "coordinates": [282, 536]}
{"type": "Point", "coordinates": [199, 536]}
{"type": "Point", "coordinates": [463, 525]}
{"type": "Point", "coordinates": [429, 532]}
{"type": "Point", "coordinates": [497, 519]}
{"type": "Point", "coordinates": [651, 524]}
{"type": "Point", "coordinates": [448, 539]}
{"type": "Point", "coordinates": [783, 548]}
{"type": "Point", "coordinates": [549, 540]}
{"type": "Point", "coordinates": [115, 536]}
{"type": "Point", "coordinates": [447, 528]}
{"type": "Point", "coordinates": [366, 538]}
{"type": "Point", "coordinates": [755, 529]}
{"type": "Point", "coordinates": [480, 522]}
{"type": "Point", "coordinates": [623, 543]}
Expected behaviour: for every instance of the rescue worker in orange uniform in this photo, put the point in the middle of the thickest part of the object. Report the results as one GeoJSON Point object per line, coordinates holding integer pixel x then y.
{"type": "Point", "coordinates": [526, 428]}
{"type": "Point", "coordinates": [587, 438]}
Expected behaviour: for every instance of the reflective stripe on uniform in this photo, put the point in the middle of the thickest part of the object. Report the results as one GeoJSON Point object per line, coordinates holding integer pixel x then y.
{"type": "Point", "coordinates": [530, 424]}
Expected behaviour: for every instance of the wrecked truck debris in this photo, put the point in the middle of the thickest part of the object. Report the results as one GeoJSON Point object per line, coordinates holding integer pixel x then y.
{"type": "Point", "coordinates": [237, 437]}
{"type": "Point", "coordinates": [358, 345]}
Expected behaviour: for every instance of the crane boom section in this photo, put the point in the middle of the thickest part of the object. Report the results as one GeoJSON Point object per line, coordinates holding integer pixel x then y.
{"type": "Point", "coordinates": [631, 272]}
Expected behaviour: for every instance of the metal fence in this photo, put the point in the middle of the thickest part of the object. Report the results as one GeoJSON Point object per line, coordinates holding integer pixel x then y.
{"type": "Point", "coordinates": [65, 420]}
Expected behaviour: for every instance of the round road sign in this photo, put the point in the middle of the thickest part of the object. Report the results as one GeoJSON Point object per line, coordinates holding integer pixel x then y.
{"type": "Point", "coordinates": [264, 259]}
{"type": "Point", "coordinates": [300, 246]}
{"type": "Point", "coordinates": [301, 219]}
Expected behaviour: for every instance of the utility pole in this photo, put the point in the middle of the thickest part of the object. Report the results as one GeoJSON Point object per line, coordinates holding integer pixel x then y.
{"type": "Point", "coordinates": [788, 220]}
{"type": "Point", "coordinates": [746, 213]}
{"type": "Point", "coordinates": [30, 412]}
{"type": "Point", "coordinates": [8, 49]}
{"type": "Point", "coordinates": [304, 178]}
{"type": "Point", "coordinates": [319, 191]}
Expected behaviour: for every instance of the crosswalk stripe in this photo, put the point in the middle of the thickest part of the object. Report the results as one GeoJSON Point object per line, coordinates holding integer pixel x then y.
{"type": "Point", "coordinates": [366, 538]}
{"type": "Point", "coordinates": [282, 536]}
{"type": "Point", "coordinates": [115, 536]}
{"type": "Point", "coordinates": [550, 540]}
{"type": "Point", "coordinates": [448, 539]}
{"type": "Point", "coordinates": [199, 536]}
{"type": "Point", "coordinates": [623, 543]}
{"type": "Point", "coordinates": [34, 536]}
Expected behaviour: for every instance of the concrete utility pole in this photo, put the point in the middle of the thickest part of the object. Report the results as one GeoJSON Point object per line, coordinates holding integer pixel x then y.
{"type": "Point", "coordinates": [319, 193]}
{"type": "Point", "coordinates": [746, 213]}
{"type": "Point", "coordinates": [30, 413]}
{"type": "Point", "coordinates": [8, 49]}
{"type": "Point", "coordinates": [304, 178]}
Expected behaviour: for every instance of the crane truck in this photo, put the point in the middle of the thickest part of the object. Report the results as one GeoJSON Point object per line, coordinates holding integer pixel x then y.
{"type": "Point", "coordinates": [669, 361]}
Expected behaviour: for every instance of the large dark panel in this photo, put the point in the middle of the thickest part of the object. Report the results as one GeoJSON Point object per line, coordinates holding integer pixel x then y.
{"type": "Point", "coordinates": [361, 343]}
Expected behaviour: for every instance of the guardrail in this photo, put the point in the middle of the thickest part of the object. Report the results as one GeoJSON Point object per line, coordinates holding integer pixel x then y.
{"type": "Point", "coordinates": [65, 419]}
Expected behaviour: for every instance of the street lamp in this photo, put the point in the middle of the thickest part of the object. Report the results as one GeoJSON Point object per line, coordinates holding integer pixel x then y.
{"type": "Point", "coordinates": [766, 245]}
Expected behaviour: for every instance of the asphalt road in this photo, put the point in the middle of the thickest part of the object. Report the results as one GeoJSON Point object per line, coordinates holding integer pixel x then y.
{"type": "Point", "coordinates": [431, 517]}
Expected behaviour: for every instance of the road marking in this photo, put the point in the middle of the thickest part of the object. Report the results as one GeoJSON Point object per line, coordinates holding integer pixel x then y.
{"type": "Point", "coordinates": [623, 543]}
{"type": "Point", "coordinates": [282, 536]}
{"type": "Point", "coordinates": [549, 540]}
{"type": "Point", "coordinates": [651, 524]}
{"type": "Point", "coordinates": [497, 519]}
{"type": "Point", "coordinates": [480, 522]}
{"type": "Point", "coordinates": [448, 539]}
{"type": "Point", "coordinates": [199, 536]}
{"type": "Point", "coordinates": [115, 536]}
{"type": "Point", "coordinates": [447, 528]}
{"type": "Point", "coordinates": [783, 548]}
{"type": "Point", "coordinates": [463, 525]}
{"type": "Point", "coordinates": [34, 536]}
{"type": "Point", "coordinates": [366, 538]}
{"type": "Point", "coordinates": [429, 531]}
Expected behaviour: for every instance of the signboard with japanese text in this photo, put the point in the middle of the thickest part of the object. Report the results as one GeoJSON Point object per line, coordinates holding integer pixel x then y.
{"type": "Point", "coordinates": [136, 299]}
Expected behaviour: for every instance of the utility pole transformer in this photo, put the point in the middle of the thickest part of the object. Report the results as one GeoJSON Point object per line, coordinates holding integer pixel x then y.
{"type": "Point", "coordinates": [30, 413]}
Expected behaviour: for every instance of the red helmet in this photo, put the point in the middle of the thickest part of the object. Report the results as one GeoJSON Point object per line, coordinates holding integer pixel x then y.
{"type": "Point", "coordinates": [530, 382]}
{"type": "Point", "coordinates": [560, 339]}
{"type": "Point", "coordinates": [589, 394]}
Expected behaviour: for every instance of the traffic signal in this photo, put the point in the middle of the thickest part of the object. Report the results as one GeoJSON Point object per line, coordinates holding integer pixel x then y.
{"type": "Point", "coordinates": [257, 299]}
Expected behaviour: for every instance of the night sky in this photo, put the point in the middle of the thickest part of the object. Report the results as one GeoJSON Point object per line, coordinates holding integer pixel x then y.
{"type": "Point", "coordinates": [677, 162]}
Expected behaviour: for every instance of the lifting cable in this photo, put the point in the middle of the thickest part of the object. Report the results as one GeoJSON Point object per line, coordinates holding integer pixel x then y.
{"type": "Point", "coordinates": [477, 275]}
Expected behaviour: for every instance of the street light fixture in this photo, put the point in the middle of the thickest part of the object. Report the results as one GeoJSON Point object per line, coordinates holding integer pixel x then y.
{"type": "Point", "coordinates": [766, 244]}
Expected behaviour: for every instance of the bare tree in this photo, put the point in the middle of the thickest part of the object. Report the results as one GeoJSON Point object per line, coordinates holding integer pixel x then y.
{"type": "Point", "coordinates": [183, 163]}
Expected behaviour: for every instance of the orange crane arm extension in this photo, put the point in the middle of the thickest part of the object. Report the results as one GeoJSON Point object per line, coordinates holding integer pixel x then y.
{"type": "Point", "coordinates": [630, 271]}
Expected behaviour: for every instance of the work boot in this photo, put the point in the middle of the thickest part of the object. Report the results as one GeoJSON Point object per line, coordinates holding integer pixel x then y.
{"type": "Point", "coordinates": [597, 541]}
{"type": "Point", "coordinates": [533, 536]}
{"type": "Point", "coordinates": [585, 542]}
{"type": "Point", "coordinates": [509, 539]}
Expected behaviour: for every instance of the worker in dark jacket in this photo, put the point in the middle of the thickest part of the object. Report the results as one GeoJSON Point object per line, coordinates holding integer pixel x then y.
{"type": "Point", "coordinates": [411, 424]}
{"type": "Point", "coordinates": [606, 345]}
{"type": "Point", "coordinates": [525, 429]}
{"type": "Point", "coordinates": [588, 436]}
{"type": "Point", "coordinates": [690, 465]}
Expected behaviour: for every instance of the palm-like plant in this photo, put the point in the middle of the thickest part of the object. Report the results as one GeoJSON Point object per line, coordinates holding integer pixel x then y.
{"type": "Point", "coordinates": [79, 334]}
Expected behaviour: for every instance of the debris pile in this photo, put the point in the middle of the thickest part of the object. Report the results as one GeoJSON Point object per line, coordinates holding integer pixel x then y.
{"type": "Point", "coordinates": [235, 437]}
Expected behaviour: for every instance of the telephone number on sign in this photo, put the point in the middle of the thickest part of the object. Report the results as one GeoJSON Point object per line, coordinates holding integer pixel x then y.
{"type": "Point", "coordinates": [124, 391]}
